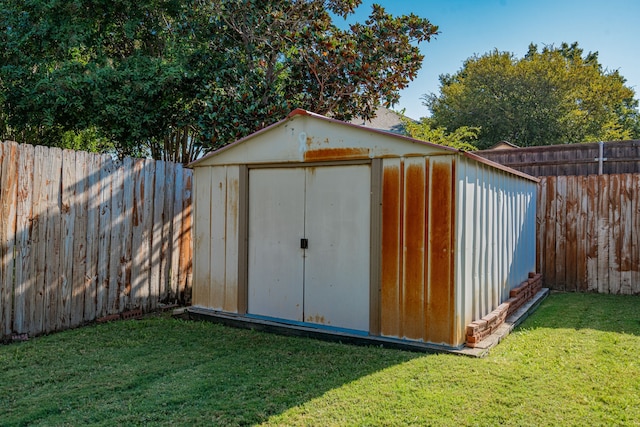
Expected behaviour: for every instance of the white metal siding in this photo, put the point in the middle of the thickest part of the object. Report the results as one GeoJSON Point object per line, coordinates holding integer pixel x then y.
{"type": "Point", "coordinates": [276, 225]}
{"type": "Point", "coordinates": [495, 237]}
{"type": "Point", "coordinates": [215, 283]}
{"type": "Point", "coordinates": [337, 261]}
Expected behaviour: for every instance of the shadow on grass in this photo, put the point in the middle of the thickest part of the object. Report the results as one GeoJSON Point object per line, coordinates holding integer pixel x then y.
{"type": "Point", "coordinates": [166, 371]}
{"type": "Point", "coordinates": [607, 313]}
{"type": "Point", "coordinates": [162, 371]}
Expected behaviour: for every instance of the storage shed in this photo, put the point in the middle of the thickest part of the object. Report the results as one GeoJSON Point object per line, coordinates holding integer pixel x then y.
{"type": "Point", "coordinates": [317, 223]}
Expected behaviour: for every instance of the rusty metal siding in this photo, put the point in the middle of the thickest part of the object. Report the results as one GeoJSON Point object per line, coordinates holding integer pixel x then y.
{"type": "Point", "coordinates": [392, 209]}
{"type": "Point", "coordinates": [440, 306]}
{"type": "Point", "coordinates": [495, 238]}
{"type": "Point", "coordinates": [414, 245]}
{"type": "Point", "coordinates": [417, 289]}
{"type": "Point", "coordinates": [216, 238]}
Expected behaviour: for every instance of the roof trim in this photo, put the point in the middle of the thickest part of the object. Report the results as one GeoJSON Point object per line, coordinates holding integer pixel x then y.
{"type": "Point", "coordinates": [495, 165]}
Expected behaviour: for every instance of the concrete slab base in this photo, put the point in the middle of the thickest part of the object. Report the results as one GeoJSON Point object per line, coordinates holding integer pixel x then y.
{"type": "Point", "coordinates": [284, 328]}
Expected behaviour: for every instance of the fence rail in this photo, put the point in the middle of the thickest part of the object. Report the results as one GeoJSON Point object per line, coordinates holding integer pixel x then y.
{"type": "Point", "coordinates": [589, 233]}
{"type": "Point", "coordinates": [82, 237]}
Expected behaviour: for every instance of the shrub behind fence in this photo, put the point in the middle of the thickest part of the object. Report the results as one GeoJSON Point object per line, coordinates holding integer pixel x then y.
{"type": "Point", "coordinates": [82, 237]}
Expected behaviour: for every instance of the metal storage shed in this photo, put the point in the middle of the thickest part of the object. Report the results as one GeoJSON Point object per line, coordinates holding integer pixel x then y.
{"type": "Point", "coordinates": [317, 223]}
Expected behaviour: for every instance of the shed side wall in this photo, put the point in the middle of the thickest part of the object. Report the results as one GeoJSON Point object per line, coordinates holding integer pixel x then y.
{"type": "Point", "coordinates": [495, 237]}
{"type": "Point", "coordinates": [216, 213]}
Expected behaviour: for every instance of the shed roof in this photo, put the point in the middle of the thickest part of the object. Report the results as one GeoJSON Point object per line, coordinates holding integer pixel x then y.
{"type": "Point", "coordinates": [304, 136]}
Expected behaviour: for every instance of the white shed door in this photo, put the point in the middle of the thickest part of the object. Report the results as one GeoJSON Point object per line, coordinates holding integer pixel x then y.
{"type": "Point", "coordinates": [276, 225]}
{"type": "Point", "coordinates": [328, 282]}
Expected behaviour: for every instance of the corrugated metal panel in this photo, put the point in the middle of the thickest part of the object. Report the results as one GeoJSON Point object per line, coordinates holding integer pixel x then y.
{"type": "Point", "coordinates": [202, 232]}
{"type": "Point", "coordinates": [392, 212]}
{"type": "Point", "coordinates": [417, 249]}
{"type": "Point", "coordinates": [440, 307]}
{"type": "Point", "coordinates": [216, 238]}
{"type": "Point", "coordinates": [414, 268]}
{"type": "Point", "coordinates": [495, 235]}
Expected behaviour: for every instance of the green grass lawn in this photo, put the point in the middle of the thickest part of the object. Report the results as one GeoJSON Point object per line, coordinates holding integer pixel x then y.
{"type": "Point", "coordinates": [576, 361]}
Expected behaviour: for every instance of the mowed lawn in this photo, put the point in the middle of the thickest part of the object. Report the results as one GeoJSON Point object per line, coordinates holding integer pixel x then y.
{"type": "Point", "coordinates": [576, 361]}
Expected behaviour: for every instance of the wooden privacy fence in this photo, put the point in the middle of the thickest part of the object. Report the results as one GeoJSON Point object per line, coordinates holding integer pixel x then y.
{"type": "Point", "coordinates": [82, 237]}
{"type": "Point", "coordinates": [589, 233]}
{"type": "Point", "coordinates": [571, 159]}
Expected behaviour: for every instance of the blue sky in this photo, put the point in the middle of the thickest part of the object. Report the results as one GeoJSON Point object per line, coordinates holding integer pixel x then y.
{"type": "Point", "coordinates": [469, 27]}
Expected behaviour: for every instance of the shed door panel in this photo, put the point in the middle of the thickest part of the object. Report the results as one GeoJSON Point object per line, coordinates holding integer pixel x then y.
{"type": "Point", "coordinates": [327, 283]}
{"type": "Point", "coordinates": [337, 261]}
{"type": "Point", "coordinates": [276, 225]}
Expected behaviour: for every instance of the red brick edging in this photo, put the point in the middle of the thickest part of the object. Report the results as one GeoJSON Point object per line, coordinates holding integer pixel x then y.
{"type": "Point", "coordinates": [480, 329]}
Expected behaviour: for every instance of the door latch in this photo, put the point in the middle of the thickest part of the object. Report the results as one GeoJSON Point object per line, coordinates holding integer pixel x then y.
{"type": "Point", "coordinates": [304, 243]}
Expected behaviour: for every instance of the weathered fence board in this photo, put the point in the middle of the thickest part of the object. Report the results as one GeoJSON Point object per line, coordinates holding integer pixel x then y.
{"type": "Point", "coordinates": [23, 291]}
{"type": "Point", "coordinates": [52, 270]}
{"type": "Point", "coordinates": [82, 237]}
{"type": "Point", "coordinates": [39, 237]}
{"type": "Point", "coordinates": [9, 194]}
{"type": "Point", "coordinates": [116, 255]}
{"type": "Point", "coordinates": [104, 236]}
{"type": "Point", "coordinates": [68, 212]}
{"type": "Point", "coordinates": [93, 212]}
{"type": "Point", "coordinates": [80, 240]}
{"type": "Point", "coordinates": [589, 233]}
{"type": "Point", "coordinates": [618, 157]}
{"type": "Point", "coordinates": [124, 277]}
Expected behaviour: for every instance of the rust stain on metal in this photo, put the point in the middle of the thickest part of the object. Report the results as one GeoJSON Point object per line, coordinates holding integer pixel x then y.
{"type": "Point", "coordinates": [452, 237]}
{"type": "Point", "coordinates": [318, 319]}
{"type": "Point", "coordinates": [310, 142]}
{"type": "Point", "coordinates": [336, 154]}
{"type": "Point", "coordinates": [440, 258]}
{"type": "Point", "coordinates": [414, 237]}
{"type": "Point", "coordinates": [391, 222]}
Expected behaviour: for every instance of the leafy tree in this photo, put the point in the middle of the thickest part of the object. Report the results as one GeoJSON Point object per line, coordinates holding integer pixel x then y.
{"type": "Point", "coordinates": [463, 138]}
{"type": "Point", "coordinates": [286, 54]}
{"type": "Point", "coordinates": [172, 78]}
{"type": "Point", "coordinates": [110, 66]}
{"type": "Point", "coordinates": [551, 96]}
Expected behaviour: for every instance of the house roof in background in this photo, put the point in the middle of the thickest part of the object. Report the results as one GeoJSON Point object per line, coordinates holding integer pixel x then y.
{"type": "Point", "coordinates": [503, 145]}
{"type": "Point", "coordinates": [386, 119]}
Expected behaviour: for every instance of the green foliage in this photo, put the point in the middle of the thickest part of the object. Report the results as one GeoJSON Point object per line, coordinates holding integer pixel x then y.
{"type": "Point", "coordinates": [87, 139]}
{"type": "Point", "coordinates": [103, 66]}
{"type": "Point", "coordinates": [143, 72]}
{"type": "Point", "coordinates": [551, 96]}
{"type": "Point", "coordinates": [462, 138]}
